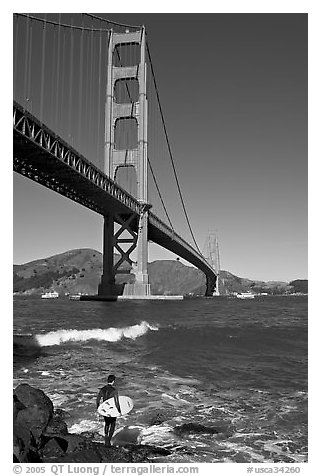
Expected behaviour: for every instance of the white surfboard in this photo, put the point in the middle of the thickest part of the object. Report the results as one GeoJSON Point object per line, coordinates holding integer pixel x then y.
{"type": "Point", "coordinates": [108, 407]}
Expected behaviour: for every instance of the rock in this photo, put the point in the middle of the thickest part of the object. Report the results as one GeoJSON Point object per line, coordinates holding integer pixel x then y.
{"type": "Point", "coordinates": [77, 443]}
{"type": "Point", "coordinates": [30, 396]}
{"type": "Point", "coordinates": [40, 435]}
{"type": "Point", "coordinates": [32, 420]}
{"type": "Point", "coordinates": [198, 428]}
{"type": "Point", "coordinates": [84, 456]}
{"type": "Point", "coordinates": [61, 413]}
{"type": "Point", "coordinates": [32, 411]}
{"type": "Point", "coordinates": [126, 436]}
{"type": "Point", "coordinates": [149, 451]}
{"type": "Point", "coordinates": [17, 406]}
{"type": "Point", "coordinates": [92, 435]}
{"type": "Point", "coordinates": [130, 453]}
{"type": "Point", "coordinates": [52, 449]}
{"type": "Point", "coordinates": [156, 417]}
{"type": "Point", "coordinates": [56, 426]}
{"type": "Point", "coordinates": [114, 454]}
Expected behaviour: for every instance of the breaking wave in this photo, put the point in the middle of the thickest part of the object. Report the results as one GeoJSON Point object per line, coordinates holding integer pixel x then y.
{"type": "Point", "coordinates": [112, 334]}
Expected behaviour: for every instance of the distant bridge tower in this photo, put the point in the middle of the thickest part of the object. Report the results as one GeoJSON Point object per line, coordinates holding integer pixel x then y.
{"type": "Point", "coordinates": [126, 149]}
{"type": "Point", "coordinates": [212, 256]}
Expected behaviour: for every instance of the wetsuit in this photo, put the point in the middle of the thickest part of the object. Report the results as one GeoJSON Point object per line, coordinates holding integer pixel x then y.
{"type": "Point", "coordinates": [106, 392]}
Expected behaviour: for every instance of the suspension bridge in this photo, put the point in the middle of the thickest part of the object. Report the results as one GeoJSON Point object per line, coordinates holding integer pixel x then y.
{"type": "Point", "coordinates": [88, 124]}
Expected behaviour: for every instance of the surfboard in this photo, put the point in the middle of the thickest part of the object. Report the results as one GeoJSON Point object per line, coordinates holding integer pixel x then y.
{"type": "Point", "coordinates": [108, 407]}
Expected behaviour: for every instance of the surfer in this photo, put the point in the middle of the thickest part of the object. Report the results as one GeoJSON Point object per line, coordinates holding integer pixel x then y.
{"type": "Point", "coordinates": [106, 392]}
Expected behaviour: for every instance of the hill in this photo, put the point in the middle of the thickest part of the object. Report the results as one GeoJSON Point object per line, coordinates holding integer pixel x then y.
{"type": "Point", "coordinates": [79, 271]}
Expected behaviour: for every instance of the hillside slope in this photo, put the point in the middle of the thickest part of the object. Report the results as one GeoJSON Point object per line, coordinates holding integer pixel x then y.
{"type": "Point", "coordinates": [79, 271]}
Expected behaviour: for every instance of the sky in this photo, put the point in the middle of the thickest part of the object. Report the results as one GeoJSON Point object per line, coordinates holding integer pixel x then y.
{"type": "Point", "coordinates": [234, 91]}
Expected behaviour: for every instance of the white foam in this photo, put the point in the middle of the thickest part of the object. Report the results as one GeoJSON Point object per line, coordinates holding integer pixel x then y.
{"type": "Point", "coordinates": [59, 400]}
{"type": "Point", "coordinates": [156, 434]}
{"type": "Point", "coordinates": [86, 425]}
{"type": "Point", "coordinates": [112, 334]}
{"type": "Point", "coordinates": [180, 380]}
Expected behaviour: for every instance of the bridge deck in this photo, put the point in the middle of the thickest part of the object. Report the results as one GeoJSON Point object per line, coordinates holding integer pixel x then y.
{"type": "Point", "coordinates": [44, 157]}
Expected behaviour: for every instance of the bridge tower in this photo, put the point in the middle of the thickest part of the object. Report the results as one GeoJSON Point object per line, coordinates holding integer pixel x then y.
{"type": "Point", "coordinates": [212, 256]}
{"type": "Point", "coordinates": [128, 76]}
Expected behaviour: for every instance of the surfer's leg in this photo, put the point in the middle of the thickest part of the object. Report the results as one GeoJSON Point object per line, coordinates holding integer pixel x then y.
{"type": "Point", "coordinates": [106, 428]}
{"type": "Point", "coordinates": [111, 429]}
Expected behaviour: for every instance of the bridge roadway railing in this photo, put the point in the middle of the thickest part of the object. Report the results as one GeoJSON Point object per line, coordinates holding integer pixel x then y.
{"type": "Point", "coordinates": [46, 158]}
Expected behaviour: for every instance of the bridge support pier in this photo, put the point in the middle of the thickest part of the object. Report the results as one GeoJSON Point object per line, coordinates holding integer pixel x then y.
{"type": "Point", "coordinates": [141, 287]}
{"type": "Point", "coordinates": [211, 285]}
{"type": "Point", "coordinates": [107, 286]}
{"type": "Point", "coordinates": [114, 241]}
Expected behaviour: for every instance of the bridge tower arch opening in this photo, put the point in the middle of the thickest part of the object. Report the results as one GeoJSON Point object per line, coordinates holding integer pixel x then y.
{"type": "Point", "coordinates": [125, 152]}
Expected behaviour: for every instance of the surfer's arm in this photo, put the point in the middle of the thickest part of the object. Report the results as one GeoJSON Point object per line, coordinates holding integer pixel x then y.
{"type": "Point", "coordinates": [117, 402]}
{"type": "Point", "coordinates": [99, 396]}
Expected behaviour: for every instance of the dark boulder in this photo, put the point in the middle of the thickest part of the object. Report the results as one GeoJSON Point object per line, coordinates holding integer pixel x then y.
{"type": "Point", "coordinates": [52, 449]}
{"type": "Point", "coordinates": [32, 411]}
{"type": "Point", "coordinates": [148, 451]}
{"type": "Point", "coordinates": [156, 416]}
{"type": "Point", "coordinates": [93, 436]}
{"type": "Point", "coordinates": [41, 435]}
{"type": "Point", "coordinates": [30, 396]}
{"type": "Point", "coordinates": [77, 443]}
{"type": "Point", "coordinates": [56, 426]}
{"type": "Point", "coordinates": [83, 456]}
{"type": "Point", "coordinates": [126, 436]}
{"type": "Point", "coordinates": [195, 428]}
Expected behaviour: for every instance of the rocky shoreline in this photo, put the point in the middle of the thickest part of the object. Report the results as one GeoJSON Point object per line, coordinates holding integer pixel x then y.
{"type": "Point", "coordinates": [40, 435]}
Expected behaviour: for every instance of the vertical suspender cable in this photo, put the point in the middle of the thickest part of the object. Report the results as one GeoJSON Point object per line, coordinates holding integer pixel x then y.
{"type": "Point", "coordinates": [62, 115]}
{"type": "Point", "coordinates": [53, 75]}
{"type": "Point", "coordinates": [86, 112]}
{"type": "Point", "coordinates": [43, 59]}
{"type": "Point", "coordinates": [58, 72]}
{"type": "Point", "coordinates": [99, 100]}
{"type": "Point", "coordinates": [15, 72]}
{"type": "Point", "coordinates": [80, 98]}
{"type": "Point", "coordinates": [91, 75]}
{"type": "Point", "coordinates": [30, 68]}
{"type": "Point", "coordinates": [71, 71]}
{"type": "Point", "coordinates": [25, 82]}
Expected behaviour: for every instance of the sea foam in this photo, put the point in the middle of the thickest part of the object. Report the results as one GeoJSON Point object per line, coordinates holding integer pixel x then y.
{"type": "Point", "coordinates": [112, 334]}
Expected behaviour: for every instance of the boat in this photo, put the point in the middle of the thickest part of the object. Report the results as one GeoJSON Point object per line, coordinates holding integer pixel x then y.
{"type": "Point", "coordinates": [246, 295]}
{"type": "Point", "coordinates": [74, 297]}
{"type": "Point", "coordinates": [50, 295]}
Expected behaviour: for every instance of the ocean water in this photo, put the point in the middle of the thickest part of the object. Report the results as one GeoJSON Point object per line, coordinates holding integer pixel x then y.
{"type": "Point", "coordinates": [238, 366]}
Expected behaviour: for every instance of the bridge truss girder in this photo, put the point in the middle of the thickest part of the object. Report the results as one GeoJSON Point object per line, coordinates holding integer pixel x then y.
{"type": "Point", "coordinates": [42, 156]}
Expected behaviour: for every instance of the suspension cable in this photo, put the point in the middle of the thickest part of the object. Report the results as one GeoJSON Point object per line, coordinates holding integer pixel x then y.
{"type": "Point", "coordinates": [64, 25]}
{"type": "Point", "coordinates": [159, 193]}
{"type": "Point", "coordinates": [112, 22]}
{"type": "Point", "coordinates": [170, 150]}
{"type": "Point", "coordinates": [82, 28]}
